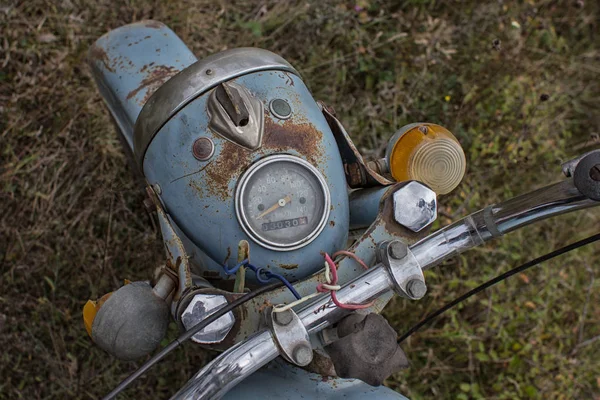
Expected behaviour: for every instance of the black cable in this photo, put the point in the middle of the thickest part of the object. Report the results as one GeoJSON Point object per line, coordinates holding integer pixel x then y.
{"type": "Point", "coordinates": [497, 279]}
{"type": "Point", "coordinates": [186, 336]}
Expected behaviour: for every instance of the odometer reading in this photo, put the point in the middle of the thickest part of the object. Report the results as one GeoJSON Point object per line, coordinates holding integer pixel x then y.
{"type": "Point", "coordinates": [286, 223]}
{"type": "Point", "coordinates": [282, 202]}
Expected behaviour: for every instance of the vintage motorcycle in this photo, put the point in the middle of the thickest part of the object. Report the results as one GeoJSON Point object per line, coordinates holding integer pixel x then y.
{"type": "Point", "coordinates": [254, 185]}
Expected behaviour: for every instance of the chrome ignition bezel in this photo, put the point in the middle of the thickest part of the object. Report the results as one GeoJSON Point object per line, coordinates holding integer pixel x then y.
{"type": "Point", "coordinates": [243, 219]}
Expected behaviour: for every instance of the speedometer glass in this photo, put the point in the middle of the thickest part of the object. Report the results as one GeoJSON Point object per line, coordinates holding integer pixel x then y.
{"type": "Point", "coordinates": [282, 202]}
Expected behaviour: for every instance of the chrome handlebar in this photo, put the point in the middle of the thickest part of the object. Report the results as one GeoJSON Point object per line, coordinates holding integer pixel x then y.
{"type": "Point", "coordinates": [237, 363]}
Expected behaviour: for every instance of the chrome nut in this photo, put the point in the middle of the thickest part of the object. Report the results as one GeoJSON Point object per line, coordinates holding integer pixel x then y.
{"type": "Point", "coordinates": [415, 206]}
{"type": "Point", "coordinates": [201, 306]}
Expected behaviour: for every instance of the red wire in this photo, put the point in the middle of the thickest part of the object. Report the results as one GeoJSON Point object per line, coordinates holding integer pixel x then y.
{"type": "Point", "coordinates": [334, 279]}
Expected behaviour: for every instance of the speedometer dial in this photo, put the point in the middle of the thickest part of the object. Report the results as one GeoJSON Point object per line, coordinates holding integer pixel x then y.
{"type": "Point", "coordinates": [282, 202]}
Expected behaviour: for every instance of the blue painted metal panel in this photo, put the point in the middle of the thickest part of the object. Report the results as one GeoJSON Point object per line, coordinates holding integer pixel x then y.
{"type": "Point", "coordinates": [364, 206]}
{"type": "Point", "coordinates": [282, 381]}
{"type": "Point", "coordinates": [199, 196]}
{"type": "Point", "coordinates": [129, 63]}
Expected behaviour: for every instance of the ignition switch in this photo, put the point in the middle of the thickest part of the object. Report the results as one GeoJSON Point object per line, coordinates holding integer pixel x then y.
{"type": "Point", "coordinates": [236, 115]}
{"type": "Point", "coordinates": [232, 102]}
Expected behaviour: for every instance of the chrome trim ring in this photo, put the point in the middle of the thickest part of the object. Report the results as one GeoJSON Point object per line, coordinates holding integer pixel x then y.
{"type": "Point", "coordinates": [194, 81]}
{"type": "Point", "coordinates": [243, 220]}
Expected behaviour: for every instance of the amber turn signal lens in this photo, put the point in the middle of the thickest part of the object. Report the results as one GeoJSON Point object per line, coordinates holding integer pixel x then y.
{"type": "Point", "coordinates": [427, 153]}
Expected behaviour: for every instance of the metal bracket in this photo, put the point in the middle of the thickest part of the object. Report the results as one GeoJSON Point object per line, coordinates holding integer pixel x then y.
{"type": "Point", "coordinates": [403, 268]}
{"type": "Point", "coordinates": [177, 258]}
{"type": "Point", "coordinates": [291, 337]}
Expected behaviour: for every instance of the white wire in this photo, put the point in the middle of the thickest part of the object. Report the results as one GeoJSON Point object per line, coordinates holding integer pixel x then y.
{"type": "Point", "coordinates": [285, 307]}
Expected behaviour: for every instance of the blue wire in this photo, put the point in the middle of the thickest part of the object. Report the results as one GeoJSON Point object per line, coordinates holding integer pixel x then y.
{"type": "Point", "coordinates": [268, 275]}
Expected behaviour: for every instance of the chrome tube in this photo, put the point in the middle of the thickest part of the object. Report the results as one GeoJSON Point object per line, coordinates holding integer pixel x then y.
{"type": "Point", "coordinates": [237, 363]}
{"type": "Point", "coordinates": [230, 368]}
{"type": "Point", "coordinates": [494, 221]}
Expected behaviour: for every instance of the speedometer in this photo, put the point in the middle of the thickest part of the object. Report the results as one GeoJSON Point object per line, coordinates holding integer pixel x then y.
{"type": "Point", "coordinates": [282, 202]}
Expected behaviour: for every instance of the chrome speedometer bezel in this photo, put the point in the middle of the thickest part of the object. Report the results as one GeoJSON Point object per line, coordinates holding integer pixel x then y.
{"type": "Point", "coordinates": [243, 218]}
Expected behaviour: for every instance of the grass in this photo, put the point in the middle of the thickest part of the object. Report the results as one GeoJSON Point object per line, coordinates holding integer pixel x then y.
{"type": "Point", "coordinates": [517, 82]}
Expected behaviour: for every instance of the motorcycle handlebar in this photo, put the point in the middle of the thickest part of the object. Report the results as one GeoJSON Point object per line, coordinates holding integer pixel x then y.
{"type": "Point", "coordinates": [240, 361]}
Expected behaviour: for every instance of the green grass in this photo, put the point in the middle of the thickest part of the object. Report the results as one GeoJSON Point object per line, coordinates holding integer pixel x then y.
{"type": "Point", "coordinates": [72, 223]}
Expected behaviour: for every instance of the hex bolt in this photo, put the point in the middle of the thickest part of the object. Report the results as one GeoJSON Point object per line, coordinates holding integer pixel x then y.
{"type": "Point", "coordinates": [302, 354]}
{"type": "Point", "coordinates": [397, 250]}
{"type": "Point", "coordinates": [595, 172]}
{"type": "Point", "coordinates": [416, 288]}
{"type": "Point", "coordinates": [283, 317]}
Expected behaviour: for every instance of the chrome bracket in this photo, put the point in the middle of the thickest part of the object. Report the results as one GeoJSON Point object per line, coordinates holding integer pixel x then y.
{"type": "Point", "coordinates": [403, 269]}
{"type": "Point", "coordinates": [291, 337]}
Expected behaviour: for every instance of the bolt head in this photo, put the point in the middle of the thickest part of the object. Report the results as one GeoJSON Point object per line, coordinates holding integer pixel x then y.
{"type": "Point", "coordinates": [201, 306]}
{"type": "Point", "coordinates": [283, 317]}
{"type": "Point", "coordinates": [398, 250]}
{"type": "Point", "coordinates": [302, 354]}
{"type": "Point", "coordinates": [416, 288]}
{"type": "Point", "coordinates": [415, 206]}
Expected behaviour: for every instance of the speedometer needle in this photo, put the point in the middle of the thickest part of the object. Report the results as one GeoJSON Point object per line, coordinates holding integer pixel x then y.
{"type": "Point", "coordinates": [280, 203]}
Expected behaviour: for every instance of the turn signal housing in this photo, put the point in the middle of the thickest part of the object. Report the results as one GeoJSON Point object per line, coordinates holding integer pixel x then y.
{"type": "Point", "coordinates": [428, 153]}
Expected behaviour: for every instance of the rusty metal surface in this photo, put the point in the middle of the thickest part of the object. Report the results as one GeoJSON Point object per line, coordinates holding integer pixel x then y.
{"type": "Point", "coordinates": [197, 80]}
{"type": "Point", "coordinates": [199, 196]}
{"type": "Point", "coordinates": [177, 258]}
{"type": "Point", "coordinates": [130, 63]}
{"type": "Point", "coordinates": [358, 172]}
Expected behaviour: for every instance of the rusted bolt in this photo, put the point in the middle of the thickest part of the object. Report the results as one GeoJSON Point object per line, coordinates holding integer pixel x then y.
{"type": "Point", "coordinates": [595, 172]}
{"type": "Point", "coordinates": [203, 149]}
{"type": "Point", "coordinates": [424, 129]}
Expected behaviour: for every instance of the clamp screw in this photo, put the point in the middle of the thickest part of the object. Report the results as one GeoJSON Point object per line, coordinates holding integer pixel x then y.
{"type": "Point", "coordinates": [302, 354]}
{"type": "Point", "coordinates": [416, 288]}
{"type": "Point", "coordinates": [283, 317]}
{"type": "Point", "coordinates": [398, 250]}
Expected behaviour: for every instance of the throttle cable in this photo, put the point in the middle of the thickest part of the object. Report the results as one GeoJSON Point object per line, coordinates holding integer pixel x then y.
{"type": "Point", "coordinates": [497, 279]}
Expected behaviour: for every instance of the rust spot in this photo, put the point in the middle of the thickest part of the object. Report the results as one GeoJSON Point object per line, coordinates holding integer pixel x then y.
{"type": "Point", "coordinates": [153, 24]}
{"type": "Point", "coordinates": [264, 306]}
{"type": "Point", "coordinates": [230, 163]}
{"type": "Point", "coordinates": [289, 81]}
{"type": "Point", "coordinates": [332, 223]}
{"type": "Point", "coordinates": [321, 365]}
{"type": "Point", "coordinates": [98, 54]}
{"type": "Point", "coordinates": [156, 77]}
{"type": "Point", "coordinates": [288, 266]}
{"type": "Point", "coordinates": [302, 137]}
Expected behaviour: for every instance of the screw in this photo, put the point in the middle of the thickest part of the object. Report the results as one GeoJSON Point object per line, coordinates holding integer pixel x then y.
{"type": "Point", "coordinates": [209, 72]}
{"type": "Point", "coordinates": [424, 129]}
{"type": "Point", "coordinates": [416, 288]}
{"type": "Point", "coordinates": [397, 250]}
{"type": "Point", "coordinates": [595, 173]}
{"type": "Point", "coordinates": [283, 317]}
{"type": "Point", "coordinates": [302, 354]}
